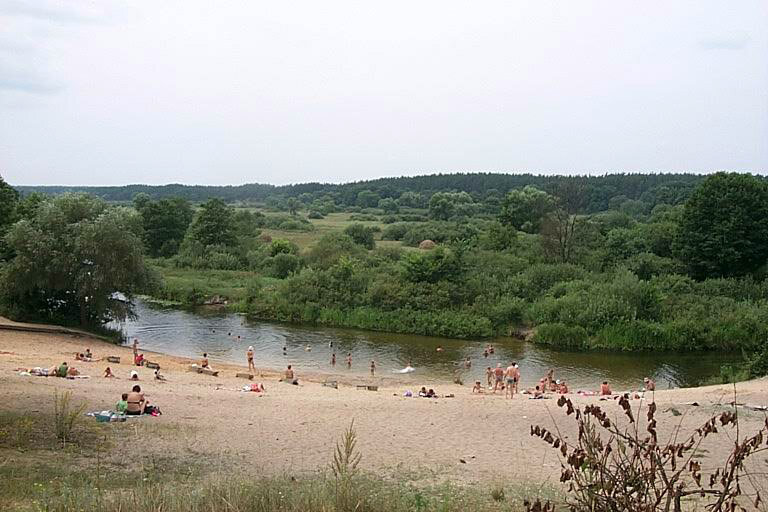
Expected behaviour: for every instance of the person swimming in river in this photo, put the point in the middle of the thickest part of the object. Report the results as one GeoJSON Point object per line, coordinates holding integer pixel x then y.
{"type": "Point", "coordinates": [349, 360]}
{"type": "Point", "coordinates": [333, 359]}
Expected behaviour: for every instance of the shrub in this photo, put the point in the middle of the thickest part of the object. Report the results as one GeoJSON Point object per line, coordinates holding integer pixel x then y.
{"type": "Point", "coordinates": [314, 214]}
{"type": "Point", "coordinates": [561, 336]}
{"type": "Point", "coordinates": [394, 232]}
{"type": "Point", "coordinates": [361, 235]}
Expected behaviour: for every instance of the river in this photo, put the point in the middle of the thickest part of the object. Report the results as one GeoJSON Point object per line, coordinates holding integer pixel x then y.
{"type": "Point", "coordinates": [226, 337]}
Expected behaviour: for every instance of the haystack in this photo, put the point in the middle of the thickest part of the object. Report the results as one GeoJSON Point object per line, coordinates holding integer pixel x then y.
{"type": "Point", "coordinates": [427, 244]}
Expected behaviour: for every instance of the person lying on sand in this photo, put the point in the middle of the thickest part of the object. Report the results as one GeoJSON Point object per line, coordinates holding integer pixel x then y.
{"type": "Point", "coordinates": [72, 372]}
{"type": "Point", "coordinates": [605, 389]}
{"type": "Point", "coordinates": [423, 392]}
{"type": "Point", "coordinates": [108, 373]}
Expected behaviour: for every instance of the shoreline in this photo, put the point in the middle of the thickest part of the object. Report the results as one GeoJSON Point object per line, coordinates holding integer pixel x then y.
{"type": "Point", "coordinates": [294, 428]}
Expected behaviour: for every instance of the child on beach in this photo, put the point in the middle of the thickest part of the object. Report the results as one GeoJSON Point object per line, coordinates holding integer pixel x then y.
{"type": "Point", "coordinates": [108, 373]}
{"type": "Point", "coordinates": [477, 388]}
{"type": "Point", "coordinates": [489, 376]}
{"type": "Point", "coordinates": [204, 362]}
{"type": "Point", "coordinates": [605, 389]}
{"type": "Point", "coordinates": [122, 405]}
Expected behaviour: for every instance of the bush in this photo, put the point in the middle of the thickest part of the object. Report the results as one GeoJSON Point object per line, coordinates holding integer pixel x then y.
{"type": "Point", "coordinates": [561, 336]}
{"type": "Point", "coordinates": [314, 214]}
{"type": "Point", "coordinates": [361, 235]}
{"type": "Point", "coordinates": [394, 232]}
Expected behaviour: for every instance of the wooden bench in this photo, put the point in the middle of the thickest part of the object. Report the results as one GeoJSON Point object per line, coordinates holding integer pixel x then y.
{"type": "Point", "coordinates": [367, 387]}
{"type": "Point", "coordinates": [244, 376]}
{"type": "Point", "coordinates": [154, 366]}
{"type": "Point", "coordinates": [113, 359]}
{"type": "Point", "coordinates": [206, 371]}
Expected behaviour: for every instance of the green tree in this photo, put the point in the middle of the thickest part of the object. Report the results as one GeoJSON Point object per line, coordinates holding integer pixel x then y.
{"type": "Point", "coordinates": [525, 208]}
{"type": "Point", "coordinates": [27, 207]}
{"type": "Point", "coordinates": [72, 258]}
{"type": "Point", "coordinates": [361, 235]}
{"type": "Point", "coordinates": [9, 197]}
{"type": "Point", "coordinates": [293, 205]}
{"type": "Point", "coordinates": [445, 205]}
{"type": "Point", "coordinates": [389, 205]}
{"type": "Point", "coordinates": [214, 224]}
{"type": "Point", "coordinates": [165, 223]}
{"type": "Point", "coordinates": [724, 226]}
{"type": "Point", "coordinates": [367, 199]}
{"type": "Point", "coordinates": [410, 199]}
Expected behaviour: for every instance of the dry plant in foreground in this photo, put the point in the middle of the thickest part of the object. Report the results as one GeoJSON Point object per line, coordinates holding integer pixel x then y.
{"type": "Point", "coordinates": [611, 468]}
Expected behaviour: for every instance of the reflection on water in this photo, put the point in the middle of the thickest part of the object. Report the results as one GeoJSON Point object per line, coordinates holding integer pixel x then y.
{"type": "Point", "coordinates": [226, 337]}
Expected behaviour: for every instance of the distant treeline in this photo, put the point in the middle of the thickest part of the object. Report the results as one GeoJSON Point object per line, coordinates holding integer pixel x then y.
{"type": "Point", "coordinates": [650, 188]}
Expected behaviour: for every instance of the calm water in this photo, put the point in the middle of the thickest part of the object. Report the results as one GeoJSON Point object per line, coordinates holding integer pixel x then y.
{"type": "Point", "coordinates": [185, 333]}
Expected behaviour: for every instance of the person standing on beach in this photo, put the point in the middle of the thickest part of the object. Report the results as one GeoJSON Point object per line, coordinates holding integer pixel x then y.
{"type": "Point", "coordinates": [498, 373]}
{"type": "Point", "coordinates": [517, 377]}
{"type": "Point", "coordinates": [509, 374]}
{"type": "Point", "coordinates": [333, 359]}
{"type": "Point", "coordinates": [249, 356]}
{"type": "Point", "coordinates": [135, 347]}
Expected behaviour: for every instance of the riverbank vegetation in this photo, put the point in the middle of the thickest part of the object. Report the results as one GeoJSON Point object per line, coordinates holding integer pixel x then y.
{"type": "Point", "coordinates": [627, 262]}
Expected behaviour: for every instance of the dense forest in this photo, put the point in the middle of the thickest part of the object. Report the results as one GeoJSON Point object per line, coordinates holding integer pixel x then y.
{"type": "Point", "coordinates": [651, 189]}
{"type": "Point", "coordinates": [625, 262]}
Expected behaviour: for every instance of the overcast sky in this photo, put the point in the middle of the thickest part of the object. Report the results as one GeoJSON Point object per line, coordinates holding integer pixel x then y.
{"type": "Point", "coordinates": [102, 93]}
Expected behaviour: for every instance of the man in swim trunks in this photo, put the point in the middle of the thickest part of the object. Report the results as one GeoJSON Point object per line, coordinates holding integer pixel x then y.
{"type": "Point", "coordinates": [509, 373]}
{"type": "Point", "coordinates": [498, 373]}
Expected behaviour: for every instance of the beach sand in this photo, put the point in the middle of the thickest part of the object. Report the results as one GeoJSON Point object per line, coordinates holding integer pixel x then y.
{"type": "Point", "coordinates": [293, 429]}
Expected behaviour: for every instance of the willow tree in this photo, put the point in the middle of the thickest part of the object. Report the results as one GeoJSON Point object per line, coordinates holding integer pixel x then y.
{"type": "Point", "coordinates": [76, 260]}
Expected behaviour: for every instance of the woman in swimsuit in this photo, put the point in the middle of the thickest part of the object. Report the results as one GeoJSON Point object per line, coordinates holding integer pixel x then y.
{"type": "Point", "coordinates": [136, 401]}
{"type": "Point", "coordinates": [249, 355]}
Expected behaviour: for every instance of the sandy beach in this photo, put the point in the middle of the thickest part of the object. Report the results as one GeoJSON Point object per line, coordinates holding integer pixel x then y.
{"type": "Point", "coordinates": [292, 429]}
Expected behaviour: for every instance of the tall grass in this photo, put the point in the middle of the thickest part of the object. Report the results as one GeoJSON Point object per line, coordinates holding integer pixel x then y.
{"type": "Point", "coordinates": [66, 415]}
